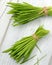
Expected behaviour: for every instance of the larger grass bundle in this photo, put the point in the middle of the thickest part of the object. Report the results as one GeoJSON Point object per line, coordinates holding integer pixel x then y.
{"type": "Point", "coordinates": [23, 13]}
{"type": "Point", "coordinates": [22, 49]}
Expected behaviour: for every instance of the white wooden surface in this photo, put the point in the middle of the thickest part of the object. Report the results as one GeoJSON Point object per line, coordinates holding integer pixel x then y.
{"type": "Point", "coordinates": [16, 33]}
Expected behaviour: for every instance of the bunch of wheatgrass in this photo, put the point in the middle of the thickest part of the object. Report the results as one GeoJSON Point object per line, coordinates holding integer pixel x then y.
{"type": "Point", "coordinates": [22, 49]}
{"type": "Point", "coordinates": [23, 13]}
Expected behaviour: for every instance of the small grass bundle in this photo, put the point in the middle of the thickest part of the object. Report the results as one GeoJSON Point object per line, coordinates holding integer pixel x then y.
{"type": "Point", "coordinates": [22, 49]}
{"type": "Point", "coordinates": [23, 13]}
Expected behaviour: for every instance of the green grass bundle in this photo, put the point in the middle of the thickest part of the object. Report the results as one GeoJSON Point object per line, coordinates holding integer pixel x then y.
{"type": "Point", "coordinates": [22, 49]}
{"type": "Point", "coordinates": [23, 13]}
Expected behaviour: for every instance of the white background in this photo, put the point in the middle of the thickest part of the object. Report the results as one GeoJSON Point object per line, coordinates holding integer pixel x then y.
{"type": "Point", "coordinates": [16, 33]}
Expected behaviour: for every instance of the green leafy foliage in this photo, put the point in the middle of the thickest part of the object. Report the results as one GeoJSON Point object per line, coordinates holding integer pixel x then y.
{"type": "Point", "coordinates": [23, 13]}
{"type": "Point", "coordinates": [22, 49]}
